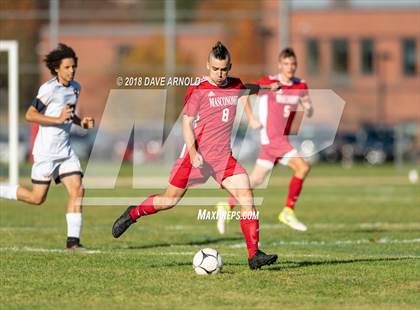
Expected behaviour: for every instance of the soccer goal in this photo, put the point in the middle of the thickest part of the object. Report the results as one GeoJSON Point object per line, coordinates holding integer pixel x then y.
{"type": "Point", "coordinates": [11, 48]}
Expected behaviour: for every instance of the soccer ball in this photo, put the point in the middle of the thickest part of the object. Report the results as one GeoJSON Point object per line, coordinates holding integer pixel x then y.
{"type": "Point", "coordinates": [207, 261]}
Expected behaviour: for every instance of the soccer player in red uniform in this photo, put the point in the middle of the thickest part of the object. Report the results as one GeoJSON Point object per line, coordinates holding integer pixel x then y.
{"type": "Point", "coordinates": [277, 110]}
{"type": "Point", "coordinates": [209, 112]}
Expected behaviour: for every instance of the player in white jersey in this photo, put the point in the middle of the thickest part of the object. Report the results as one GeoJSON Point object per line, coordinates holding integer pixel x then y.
{"type": "Point", "coordinates": [54, 109]}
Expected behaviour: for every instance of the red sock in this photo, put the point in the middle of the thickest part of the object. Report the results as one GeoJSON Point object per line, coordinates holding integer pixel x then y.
{"type": "Point", "coordinates": [295, 188]}
{"type": "Point", "coordinates": [251, 233]}
{"type": "Point", "coordinates": [232, 202]}
{"type": "Point", "coordinates": [143, 209]}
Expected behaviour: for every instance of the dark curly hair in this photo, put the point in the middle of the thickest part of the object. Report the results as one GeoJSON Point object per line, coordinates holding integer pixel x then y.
{"type": "Point", "coordinates": [53, 58]}
{"type": "Point", "coordinates": [219, 51]}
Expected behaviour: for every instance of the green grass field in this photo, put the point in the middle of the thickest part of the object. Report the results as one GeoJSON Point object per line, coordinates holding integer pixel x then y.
{"type": "Point", "coordinates": [362, 251]}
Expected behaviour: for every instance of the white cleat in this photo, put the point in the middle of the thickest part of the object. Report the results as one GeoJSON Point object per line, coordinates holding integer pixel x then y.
{"type": "Point", "coordinates": [222, 211]}
{"type": "Point", "coordinates": [288, 217]}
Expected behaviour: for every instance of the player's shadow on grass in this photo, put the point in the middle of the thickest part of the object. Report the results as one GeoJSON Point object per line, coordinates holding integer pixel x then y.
{"type": "Point", "coordinates": [190, 243]}
{"type": "Point", "coordinates": [280, 266]}
{"type": "Point", "coordinates": [169, 264]}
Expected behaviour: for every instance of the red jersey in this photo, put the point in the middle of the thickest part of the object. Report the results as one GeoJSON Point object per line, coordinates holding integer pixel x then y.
{"type": "Point", "coordinates": [277, 110]}
{"type": "Point", "coordinates": [214, 109]}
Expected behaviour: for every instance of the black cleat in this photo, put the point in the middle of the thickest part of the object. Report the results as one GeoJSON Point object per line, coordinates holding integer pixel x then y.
{"type": "Point", "coordinates": [74, 244]}
{"type": "Point", "coordinates": [261, 259]}
{"type": "Point", "coordinates": [122, 223]}
{"type": "Point", "coordinates": [77, 248]}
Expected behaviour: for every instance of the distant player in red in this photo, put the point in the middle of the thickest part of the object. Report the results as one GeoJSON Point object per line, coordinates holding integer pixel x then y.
{"type": "Point", "coordinates": [277, 110]}
{"type": "Point", "coordinates": [209, 112]}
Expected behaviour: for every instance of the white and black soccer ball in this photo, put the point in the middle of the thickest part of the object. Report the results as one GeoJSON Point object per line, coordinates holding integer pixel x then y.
{"type": "Point", "coordinates": [207, 261]}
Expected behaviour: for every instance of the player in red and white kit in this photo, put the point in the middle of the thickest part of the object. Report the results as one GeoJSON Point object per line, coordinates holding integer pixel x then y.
{"type": "Point", "coordinates": [277, 110]}
{"type": "Point", "coordinates": [209, 112]}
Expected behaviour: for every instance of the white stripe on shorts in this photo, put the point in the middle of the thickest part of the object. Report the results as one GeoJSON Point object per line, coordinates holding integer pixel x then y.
{"type": "Point", "coordinates": [265, 163]}
{"type": "Point", "coordinates": [286, 157]}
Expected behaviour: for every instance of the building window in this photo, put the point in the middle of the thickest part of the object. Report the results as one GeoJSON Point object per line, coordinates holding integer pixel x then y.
{"type": "Point", "coordinates": [366, 54]}
{"type": "Point", "coordinates": [340, 56]}
{"type": "Point", "coordinates": [409, 57]}
{"type": "Point", "coordinates": [312, 50]}
{"type": "Point", "coordinates": [124, 51]}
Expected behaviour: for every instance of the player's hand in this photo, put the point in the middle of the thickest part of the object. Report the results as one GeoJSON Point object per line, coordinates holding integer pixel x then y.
{"type": "Point", "coordinates": [275, 86]}
{"type": "Point", "coordinates": [309, 110]}
{"type": "Point", "coordinates": [87, 122]}
{"type": "Point", "coordinates": [254, 124]}
{"type": "Point", "coordinates": [197, 161]}
{"type": "Point", "coordinates": [65, 115]}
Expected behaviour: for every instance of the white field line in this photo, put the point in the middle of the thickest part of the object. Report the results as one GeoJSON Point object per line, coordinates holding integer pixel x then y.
{"type": "Point", "coordinates": [187, 201]}
{"type": "Point", "coordinates": [360, 241]}
{"type": "Point", "coordinates": [190, 254]}
{"type": "Point", "coordinates": [329, 243]}
{"type": "Point", "coordinates": [45, 250]}
{"type": "Point", "coordinates": [320, 226]}
{"type": "Point", "coordinates": [161, 182]}
{"type": "Point", "coordinates": [362, 199]}
{"type": "Point", "coordinates": [232, 246]}
{"type": "Point", "coordinates": [258, 201]}
{"type": "Point", "coordinates": [374, 225]}
{"type": "Point", "coordinates": [154, 182]}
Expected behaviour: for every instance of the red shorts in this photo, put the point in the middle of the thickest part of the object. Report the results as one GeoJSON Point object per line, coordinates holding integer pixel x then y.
{"type": "Point", "coordinates": [269, 155]}
{"type": "Point", "coordinates": [183, 174]}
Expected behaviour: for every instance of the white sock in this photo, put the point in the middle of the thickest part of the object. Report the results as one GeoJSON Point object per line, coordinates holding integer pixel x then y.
{"type": "Point", "coordinates": [8, 191]}
{"type": "Point", "coordinates": [74, 224]}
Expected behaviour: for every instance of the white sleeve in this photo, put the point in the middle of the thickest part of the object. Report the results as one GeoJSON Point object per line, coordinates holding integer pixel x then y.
{"type": "Point", "coordinates": [45, 93]}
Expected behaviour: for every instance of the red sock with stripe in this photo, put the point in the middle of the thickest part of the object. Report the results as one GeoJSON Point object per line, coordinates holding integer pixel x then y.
{"type": "Point", "coordinates": [295, 187]}
{"type": "Point", "coordinates": [250, 229]}
{"type": "Point", "coordinates": [143, 209]}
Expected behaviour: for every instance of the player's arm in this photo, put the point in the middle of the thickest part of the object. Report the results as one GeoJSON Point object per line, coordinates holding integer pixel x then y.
{"type": "Point", "coordinates": [255, 88]}
{"type": "Point", "coordinates": [253, 122]}
{"type": "Point", "coordinates": [34, 115]}
{"type": "Point", "coordinates": [189, 139]}
{"type": "Point", "coordinates": [306, 103]}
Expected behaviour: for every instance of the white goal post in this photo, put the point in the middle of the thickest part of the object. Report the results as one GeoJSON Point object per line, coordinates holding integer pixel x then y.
{"type": "Point", "coordinates": [11, 47]}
